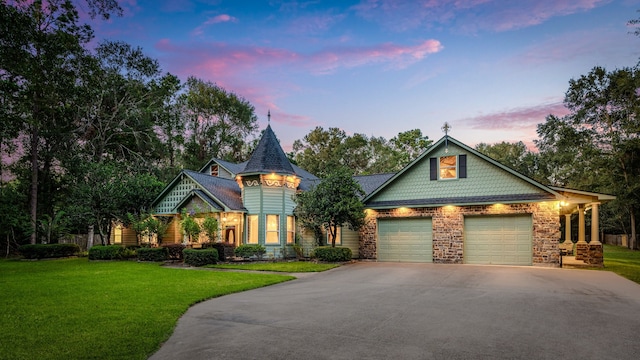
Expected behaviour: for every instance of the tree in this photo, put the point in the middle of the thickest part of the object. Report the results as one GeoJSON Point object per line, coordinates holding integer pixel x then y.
{"type": "Point", "coordinates": [322, 150]}
{"type": "Point", "coordinates": [211, 228]}
{"type": "Point", "coordinates": [319, 150]}
{"type": "Point", "coordinates": [603, 133]}
{"type": "Point", "coordinates": [514, 155]}
{"type": "Point", "coordinates": [219, 123]}
{"type": "Point", "coordinates": [42, 53]}
{"type": "Point", "coordinates": [408, 145]}
{"type": "Point", "coordinates": [189, 226]}
{"type": "Point", "coordinates": [335, 201]}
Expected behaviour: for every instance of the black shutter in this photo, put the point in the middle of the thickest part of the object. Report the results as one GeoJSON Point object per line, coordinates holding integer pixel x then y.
{"type": "Point", "coordinates": [433, 163]}
{"type": "Point", "coordinates": [462, 166]}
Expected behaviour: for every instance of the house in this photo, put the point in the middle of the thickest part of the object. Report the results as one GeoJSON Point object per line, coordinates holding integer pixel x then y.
{"type": "Point", "coordinates": [450, 205]}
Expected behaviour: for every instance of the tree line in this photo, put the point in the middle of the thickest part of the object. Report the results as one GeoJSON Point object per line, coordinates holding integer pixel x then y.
{"type": "Point", "coordinates": [89, 137]}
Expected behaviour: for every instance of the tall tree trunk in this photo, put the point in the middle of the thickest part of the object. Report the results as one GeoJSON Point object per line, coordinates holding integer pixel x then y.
{"type": "Point", "coordinates": [90, 237]}
{"type": "Point", "coordinates": [33, 201]}
{"type": "Point", "coordinates": [633, 243]}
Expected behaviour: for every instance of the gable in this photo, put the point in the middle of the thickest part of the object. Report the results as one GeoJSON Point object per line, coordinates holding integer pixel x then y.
{"type": "Point", "coordinates": [173, 196]}
{"type": "Point", "coordinates": [480, 181]}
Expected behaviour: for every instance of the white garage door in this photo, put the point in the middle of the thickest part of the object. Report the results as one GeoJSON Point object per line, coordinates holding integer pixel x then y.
{"type": "Point", "coordinates": [503, 240]}
{"type": "Point", "coordinates": [407, 240]}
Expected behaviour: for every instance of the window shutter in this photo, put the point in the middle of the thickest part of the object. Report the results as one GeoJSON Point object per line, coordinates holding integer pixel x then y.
{"type": "Point", "coordinates": [462, 166]}
{"type": "Point", "coordinates": [433, 168]}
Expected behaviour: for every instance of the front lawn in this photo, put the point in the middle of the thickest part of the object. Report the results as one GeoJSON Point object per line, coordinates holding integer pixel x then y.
{"type": "Point", "coordinates": [289, 267]}
{"type": "Point", "coordinates": [622, 261]}
{"type": "Point", "coordinates": [75, 309]}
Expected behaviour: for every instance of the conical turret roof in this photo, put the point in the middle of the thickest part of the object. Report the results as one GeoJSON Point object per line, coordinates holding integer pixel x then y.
{"type": "Point", "coordinates": [268, 157]}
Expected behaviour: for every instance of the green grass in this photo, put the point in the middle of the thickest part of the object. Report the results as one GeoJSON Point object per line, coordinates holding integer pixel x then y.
{"type": "Point", "coordinates": [75, 309]}
{"type": "Point", "coordinates": [622, 261]}
{"type": "Point", "coordinates": [290, 267]}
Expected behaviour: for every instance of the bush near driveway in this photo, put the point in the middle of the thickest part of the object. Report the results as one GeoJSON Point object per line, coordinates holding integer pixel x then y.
{"type": "Point", "coordinates": [332, 254]}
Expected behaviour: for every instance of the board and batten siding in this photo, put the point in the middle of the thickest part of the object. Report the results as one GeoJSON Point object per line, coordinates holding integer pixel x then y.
{"type": "Point", "coordinates": [483, 179]}
{"type": "Point", "coordinates": [351, 240]}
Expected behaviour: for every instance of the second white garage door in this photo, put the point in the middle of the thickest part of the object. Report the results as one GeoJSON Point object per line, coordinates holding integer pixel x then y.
{"type": "Point", "coordinates": [502, 240]}
{"type": "Point", "coordinates": [407, 240]}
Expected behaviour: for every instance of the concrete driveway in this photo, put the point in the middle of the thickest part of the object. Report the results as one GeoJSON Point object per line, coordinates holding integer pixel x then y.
{"type": "Point", "coordinates": [419, 311]}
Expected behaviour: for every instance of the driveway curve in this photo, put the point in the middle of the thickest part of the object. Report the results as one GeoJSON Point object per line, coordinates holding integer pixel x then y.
{"type": "Point", "coordinates": [419, 311]}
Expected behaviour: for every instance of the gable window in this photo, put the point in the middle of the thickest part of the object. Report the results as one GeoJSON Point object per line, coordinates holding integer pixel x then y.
{"type": "Point", "coordinates": [214, 170]}
{"type": "Point", "coordinates": [273, 229]}
{"type": "Point", "coordinates": [252, 229]}
{"type": "Point", "coordinates": [338, 236]}
{"type": "Point", "coordinates": [448, 167]}
{"type": "Point", "coordinates": [291, 230]}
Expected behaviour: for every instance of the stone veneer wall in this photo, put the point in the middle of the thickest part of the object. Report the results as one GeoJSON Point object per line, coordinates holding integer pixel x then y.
{"type": "Point", "coordinates": [448, 229]}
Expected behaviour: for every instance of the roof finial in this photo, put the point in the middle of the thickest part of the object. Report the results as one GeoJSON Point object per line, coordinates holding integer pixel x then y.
{"type": "Point", "coordinates": [269, 117]}
{"type": "Point", "coordinates": [446, 127]}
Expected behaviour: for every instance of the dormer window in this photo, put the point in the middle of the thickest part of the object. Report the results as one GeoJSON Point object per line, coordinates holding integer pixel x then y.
{"type": "Point", "coordinates": [448, 167]}
{"type": "Point", "coordinates": [214, 170]}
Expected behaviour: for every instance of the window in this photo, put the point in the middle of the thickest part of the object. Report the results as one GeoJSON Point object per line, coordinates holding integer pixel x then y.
{"type": "Point", "coordinates": [338, 236]}
{"type": "Point", "coordinates": [273, 227]}
{"type": "Point", "coordinates": [252, 228]}
{"type": "Point", "coordinates": [448, 167]}
{"type": "Point", "coordinates": [291, 230]}
{"type": "Point", "coordinates": [117, 235]}
{"type": "Point", "coordinates": [214, 170]}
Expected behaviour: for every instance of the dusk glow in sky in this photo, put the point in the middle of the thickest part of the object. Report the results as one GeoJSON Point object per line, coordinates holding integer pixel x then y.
{"type": "Point", "coordinates": [493, 69]}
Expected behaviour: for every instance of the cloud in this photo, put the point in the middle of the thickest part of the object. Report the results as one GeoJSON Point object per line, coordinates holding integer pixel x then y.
{"type": "Point", "coordinates": [468, 16]}
{"type": "Point", "coordinates": [523, 118]}
{"type": "Point", "coordinates": [567, 47]}
{"type": "Point", "coordinates": [220, 59]}
{"type": "Point", "coordinates": [222, 18]}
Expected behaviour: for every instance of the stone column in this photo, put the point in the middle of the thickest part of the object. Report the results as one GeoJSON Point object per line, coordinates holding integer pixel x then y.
{"type": "Point", "coordinates": [567, 228]}
{"type": "Point", "coordinates": [595, 255]}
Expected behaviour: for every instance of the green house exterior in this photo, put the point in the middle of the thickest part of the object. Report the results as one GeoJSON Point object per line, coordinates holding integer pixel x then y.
{"type": "Point", "coordinates": [450, 205]}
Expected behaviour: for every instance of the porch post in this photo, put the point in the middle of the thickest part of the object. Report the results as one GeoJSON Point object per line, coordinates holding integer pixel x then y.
{"type": "Point", "coordinates": [567, 228]}
{"type": "Point", "coordinates": [595, 229]}
{"type": "Point", "coordinates": [581, 228]}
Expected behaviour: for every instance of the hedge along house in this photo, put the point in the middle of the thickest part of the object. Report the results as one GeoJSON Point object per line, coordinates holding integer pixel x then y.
{"type": "Point", "coordinates": [252, 201]}
{"type": "Point", "coordinates": [455, 205]}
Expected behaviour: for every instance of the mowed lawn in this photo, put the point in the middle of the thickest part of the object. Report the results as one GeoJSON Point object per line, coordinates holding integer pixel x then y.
{"type": "Point", "coordinates": [622, 261]}
{"type": "Point", "coordinates": [76, 309]}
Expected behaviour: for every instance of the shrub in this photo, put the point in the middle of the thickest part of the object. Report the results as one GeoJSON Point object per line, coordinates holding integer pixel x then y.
{"type": "Point", "coordinates": [225, 250]}
{"type": "Point", "coordinates": [332, 254]}
{"type": "Point", "coordinates": [249, 250]}
{"type": "Point", "coordinates": [107, 252]}
{"type": "Point", "coordinates": [42, 251]}
{"type": "Point", "coordinates": [174, 251]}
{"type": "Point", "coordinates": [201, 257]}
{"type": "Point", "coordinates": [153, 254]}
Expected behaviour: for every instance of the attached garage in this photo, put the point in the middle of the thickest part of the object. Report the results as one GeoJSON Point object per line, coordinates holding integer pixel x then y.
{"type": "Point", "coordinates": [500, 240]}
{"type": "Point", "coordinates": [405, 240]}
